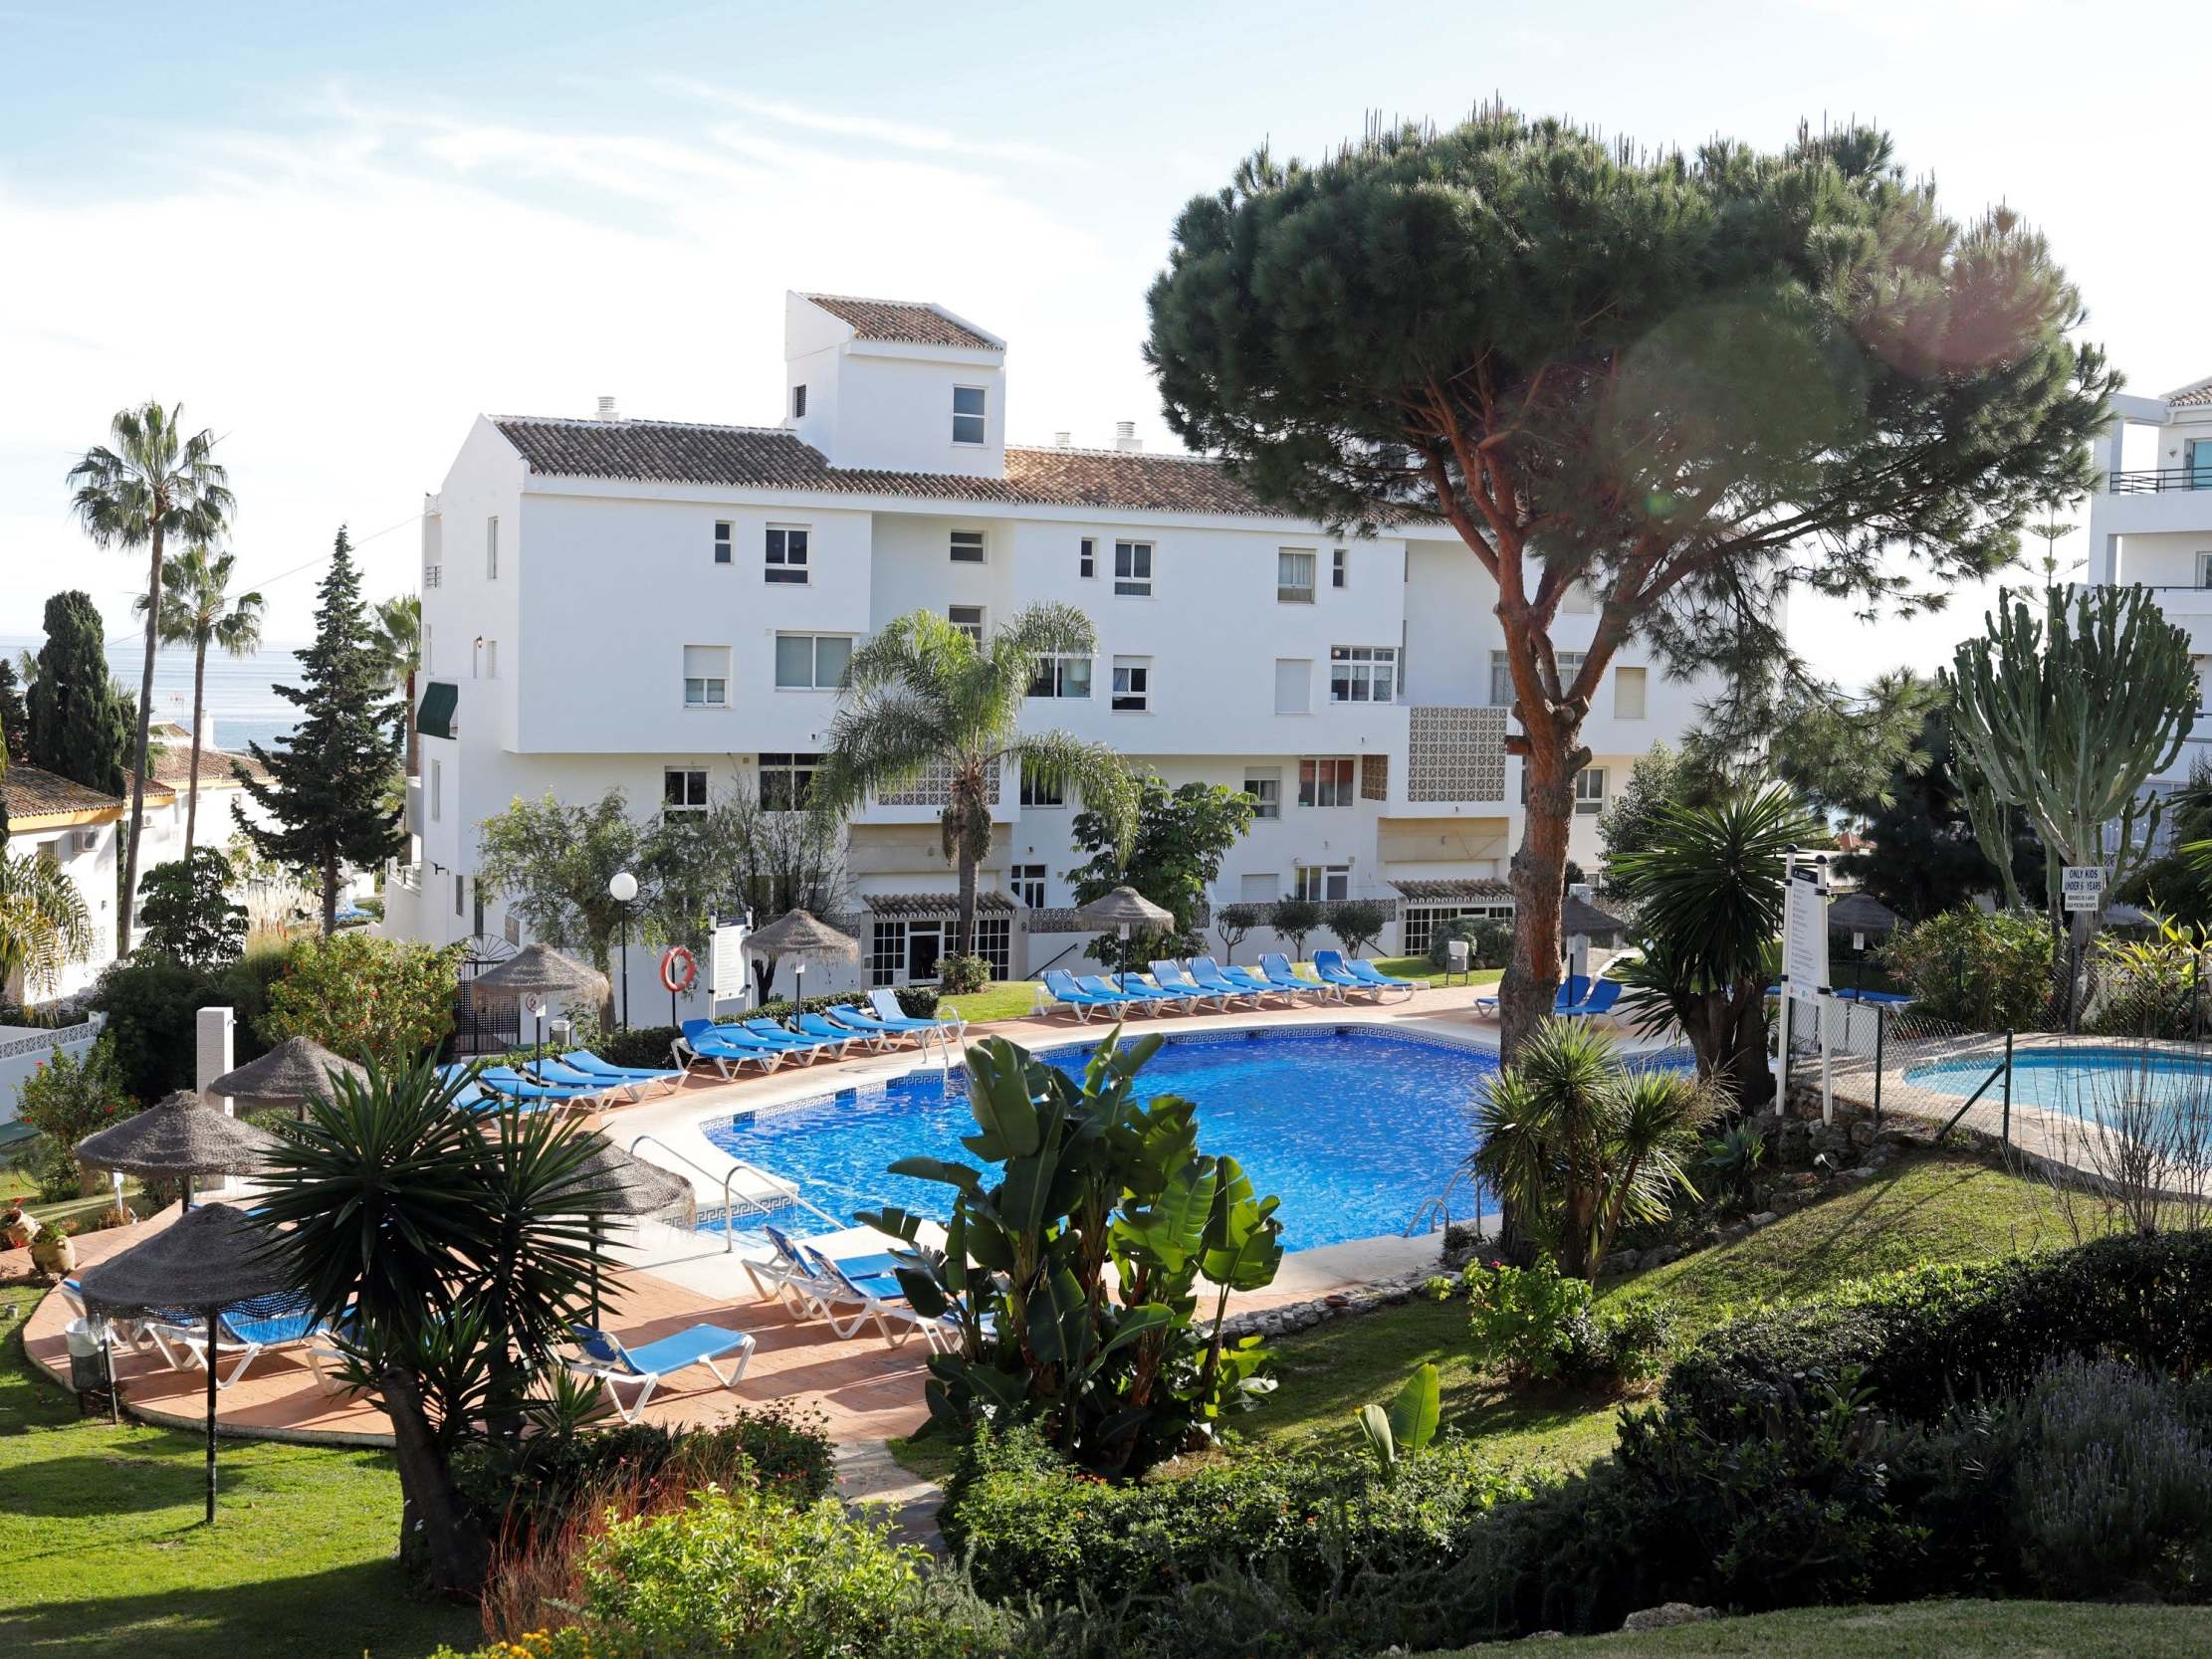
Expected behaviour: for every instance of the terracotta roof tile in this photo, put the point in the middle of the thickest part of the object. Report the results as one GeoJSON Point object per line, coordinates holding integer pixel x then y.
{"type": "Point", "coordinates": [33, 793]}
{"type": "Point", "coordinates": [933, 904]}
{"type": "Point", "coordinates": [769, 458]}
{"type": "Point", "coordinates": [2195, 395]}
{"type": "Point", "coordinates": [910, 321]}
{"type": "Point", "coordinates": [172, 766]}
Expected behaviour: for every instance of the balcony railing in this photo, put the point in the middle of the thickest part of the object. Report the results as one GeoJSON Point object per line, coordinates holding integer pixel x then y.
{"type": "Point", "coordinates": [2158, 480]}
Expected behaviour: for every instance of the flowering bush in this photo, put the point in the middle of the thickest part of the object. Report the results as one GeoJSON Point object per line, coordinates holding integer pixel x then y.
{"type": "Point", "coordinates": [374, 1000]}
{"type": "Point", "coordinates": [64, 1098]}
{"type": "Point", "coordinates": [1986, 971]}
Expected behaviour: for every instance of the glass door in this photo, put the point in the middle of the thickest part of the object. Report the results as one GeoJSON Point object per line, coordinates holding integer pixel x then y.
{"type": "Point", "coordinates": [925, 942]}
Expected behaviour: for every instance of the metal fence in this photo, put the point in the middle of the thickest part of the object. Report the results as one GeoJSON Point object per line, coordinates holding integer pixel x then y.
{"type": "Point", "coordinates": [488, 1024]}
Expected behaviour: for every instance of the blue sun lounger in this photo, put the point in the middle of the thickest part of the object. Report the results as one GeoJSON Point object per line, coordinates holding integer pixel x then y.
{"type": "Point", "coordinates": [561, 1075]}
{"type": "Point", "coordinates": [605, 1357]}
{"type": "Point", "coordinates": [786, 1270]}
{"type": "Point", "coordinates": [860, 1020]}
{"type": "Point", "coordinates": [1172, 976]}
{"type": "Point", "coordinates": [584, 1060]}
{"type": "Point", "coordinates": [1368, 973]}
{"type": "Point", "coordinates": [723, 1047]}
{"type": "Point", "coordinates": [509, 1084]}
{"type": "Point", "coordinates": [1329, 969]}
{"type": "Point", "coordinates": [1603, 995]}
{"type": "Point", "coordinates": [1143, 994]}
{"type": "Point", "coordinates": [814, 1025]}
{"type": "Point", "coordinates": [1572, 993]}
{"type": "Point", "coordinates": [770, 1032]}
{"type": "Point", "coordinates": [1171, 991]}
{"type": "Point", "coordinates": [1084, 1002]}
{"type": "Point", "coordinates": [1275, 968]}
{"type": "Point", "coordinates": [1208, 974]}
{"type": "Point", "coordinates": [885, 1002]}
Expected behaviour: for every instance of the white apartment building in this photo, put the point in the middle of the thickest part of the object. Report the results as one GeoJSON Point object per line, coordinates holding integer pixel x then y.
{"type": "Point", "coordinates": [2151, 525]}
{"type": "Point", "coordinates": [668, 607]}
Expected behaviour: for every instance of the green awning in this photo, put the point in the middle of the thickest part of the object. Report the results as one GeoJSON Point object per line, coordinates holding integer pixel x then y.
{"type": "Point", "coordinates": [435, 718]}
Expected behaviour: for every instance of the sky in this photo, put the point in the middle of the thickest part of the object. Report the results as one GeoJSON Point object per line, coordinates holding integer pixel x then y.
{"type": "Point", "coordinates": [336, 235]}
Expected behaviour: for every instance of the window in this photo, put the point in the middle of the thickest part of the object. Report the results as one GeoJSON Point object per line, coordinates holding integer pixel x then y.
{"type": "Point", "coordinates": [1590, 789]}
{"type": "Point", "coordinates": [1035, 791]}
{"type": "Point", "coordinates": [1294, 577]}
{"type": "Point", "coordinates": [706, 675]}
{"type": "Point", "coordinates": [1363, 673]}
{"type": "Point", "coordinates": [1339, 562]}
{"type": "Point", "coordinates": [491, 549]}
{"type": "Point", "coordinates": [798, 403]}
{"type": "Point", "coordinates": [1086, 559]}
{"type": "Point", "coordinates": [1133, 570]}
{"type": "Point", "coordinates": [968, 414]}
{"type": "Point", "coordinates": [969, 619]}
{"type": "Point", "coordinates": [1420, 923]}
{"type": "Point", "coordinates": [1264, 785]}
{"type": "Point", "coordinates": [1293, 684]}
{"type": "Point", "coordinates": [787, 553]}
{"type": "Point", "coordinates": [683, 790]}
{"type": "Point", "coordinates": [1326, 781]}
{"type": "Point", "coordinates": [1262, 888]}
{"type": "Point", "coordinates": [1132, 685]}
{"type": "Point", "coordinates": [1501, 675]}
{"type": "Point", "coordinates": [475, 911]}
{"type": "Point", "coordinates": [2204, 570]}
{"type": "Point", "coordinates": [1028, 885]}
{"type": "Point", "coordinates": [512, 929]}
{"type": "Point", "coordinates": [722, 541]}
{"type": "Point", "coordinates": [909, 950]}
{"type": "Point", "coordinates": [1062, 676]}
{"type": "Point", "coordinates": [428, 664]}
{"type": "Point", "coordinates": [1322, 881]}
{"type": "Point", "coordinates": [995, 943]}
{"type": "Point", "coordinates": [1628, 694]}
{"type": "Point", "coordinates": [811, 662]}
{"type": "Point", "coordinates": [788, 781]}
{"type": "Point", "coordinates": [886, 952]}
{"type": "Point", "coordinates": [968, 547]}
{"type": "Point", "coordinates": [437, 790]}
{"type": "Point", "coordinates": [491, 659]}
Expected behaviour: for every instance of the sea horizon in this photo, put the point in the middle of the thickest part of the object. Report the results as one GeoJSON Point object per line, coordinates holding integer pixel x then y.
{"type": "Point", "coordinates": [240, 689]}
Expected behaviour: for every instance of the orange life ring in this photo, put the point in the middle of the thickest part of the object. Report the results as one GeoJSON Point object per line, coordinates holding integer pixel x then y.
{"type": "Point", "coordinates": [679, 969]}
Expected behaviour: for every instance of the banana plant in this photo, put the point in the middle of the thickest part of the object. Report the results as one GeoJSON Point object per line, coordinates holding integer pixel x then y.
{"type": "Point", "coordinates": [1402, 1433]}
{"type": "Point", "coordinates": [1084, 1178]}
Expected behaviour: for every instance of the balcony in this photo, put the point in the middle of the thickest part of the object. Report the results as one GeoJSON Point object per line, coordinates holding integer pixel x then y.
{"type": "Point", "coordinates": [2158, 480]}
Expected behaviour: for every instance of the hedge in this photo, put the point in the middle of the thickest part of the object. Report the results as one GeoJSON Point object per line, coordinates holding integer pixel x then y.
{"type": "Point", "coordinates": [1926, 1337]}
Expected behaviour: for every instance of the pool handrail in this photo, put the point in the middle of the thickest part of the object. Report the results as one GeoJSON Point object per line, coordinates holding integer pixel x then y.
{"type": "Point", "coordinates": [738, 1166]}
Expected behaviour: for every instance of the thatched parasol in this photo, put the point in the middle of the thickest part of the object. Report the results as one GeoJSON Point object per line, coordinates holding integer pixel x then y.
{"type": "Point", "coordinates": [627, 1186]}
{"type": "Point", "coordinates": [1862, 913]}
{"type": "Point", "coordinates": [1121, 910]}
{"type": "Point", "coordinates": [208, 1259]}
{"type": "Point", "coordinates": [801, 935]}
{"type": "Point", "coordinates": [287, 1075]}
{"type": "Point", "coordinates": [179, 1136]}
{"type": "Point", "coordinates": [540, 972]}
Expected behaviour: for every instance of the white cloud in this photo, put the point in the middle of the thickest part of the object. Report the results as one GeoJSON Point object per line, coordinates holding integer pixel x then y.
{"type": "Point", "coordinates": [874, 128]}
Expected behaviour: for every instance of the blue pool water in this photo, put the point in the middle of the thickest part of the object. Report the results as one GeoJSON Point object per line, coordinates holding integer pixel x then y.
{"type": "Point", "coordinates": [2087, 1082]}
{"type": "Point", "coordinates": [1350, 1129]}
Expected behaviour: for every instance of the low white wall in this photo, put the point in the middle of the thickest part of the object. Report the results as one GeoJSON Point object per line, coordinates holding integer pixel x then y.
{"type": "Point", "coordinates": [23, 1049]}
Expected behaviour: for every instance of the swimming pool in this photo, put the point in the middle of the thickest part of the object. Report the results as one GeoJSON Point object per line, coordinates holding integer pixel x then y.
{"type": "Point", "coordinates": [1352, 1128]}
{"type": "Point", "coordinates": [2086, 1081]}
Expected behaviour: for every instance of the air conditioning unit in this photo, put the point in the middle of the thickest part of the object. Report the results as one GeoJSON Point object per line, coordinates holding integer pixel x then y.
{"type": "Point", "coordinates": [83, 841]}
{"type": "Point", "coordinates": [1583, 891]}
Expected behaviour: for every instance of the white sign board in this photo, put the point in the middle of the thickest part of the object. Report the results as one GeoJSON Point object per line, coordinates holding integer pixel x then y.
{"type": "Point", "coordinates": [2084, 887]}
{"type": "Point", "coordinates": [726, 972]}
{"type": "Point", "coordinates": [1804, 936]}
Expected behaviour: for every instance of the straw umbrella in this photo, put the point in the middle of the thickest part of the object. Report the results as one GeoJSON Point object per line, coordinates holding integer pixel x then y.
{"type": "Point", "coordinates": [627, 1186]}
{"type": "Point", "coordinates": [287, 1075]}
{"type": "Point", "coordinates": [1121, 910]}
{"type": "Point", "coordinates": [539, 970]}
{"type": "Point", "coordinates": [210, 1259]}
{"type": "Point", "coordinates": [181, 1135]}
{"type": "Point", "coordinates": [801, 935]}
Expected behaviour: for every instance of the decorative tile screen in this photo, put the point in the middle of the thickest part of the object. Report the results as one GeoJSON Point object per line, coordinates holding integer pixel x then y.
{"type": "Point", "coordinates": [1456, 754]}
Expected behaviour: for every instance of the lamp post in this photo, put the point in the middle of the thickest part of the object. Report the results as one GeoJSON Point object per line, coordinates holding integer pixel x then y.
{"type": "Point", "coordinates": [622, 889]}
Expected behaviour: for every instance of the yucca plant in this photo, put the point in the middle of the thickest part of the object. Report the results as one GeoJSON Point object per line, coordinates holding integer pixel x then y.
{"type": "Point", "coordinates": [1575, 1143]}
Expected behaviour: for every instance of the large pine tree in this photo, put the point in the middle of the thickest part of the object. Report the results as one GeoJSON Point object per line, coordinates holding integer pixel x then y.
{"type": "Point", "coordinates": [15, 719]}
{"type": "Point", "coordinates": [79, 724]}
{"type": "Point", "coordinates": [329, 782]}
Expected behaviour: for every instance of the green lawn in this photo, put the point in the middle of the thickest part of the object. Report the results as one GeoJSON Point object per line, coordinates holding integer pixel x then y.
{"type": "Point", "coordinates": [101, 1549]}
{"type": "Point", "coordinates": [1917, 1630]}
{"type": "Point", "coordinates": [1935, 1207]}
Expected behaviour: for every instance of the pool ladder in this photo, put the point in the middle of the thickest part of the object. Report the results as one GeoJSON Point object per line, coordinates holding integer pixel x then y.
{"type": "Point", "coordinates": [738, 1166]}
{"type": "Point", "coordinates": [1435, 1213]}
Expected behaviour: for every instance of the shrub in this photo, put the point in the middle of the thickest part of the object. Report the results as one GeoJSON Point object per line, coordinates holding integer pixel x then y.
{"type": "Point", "coordinates": [1293, 918]}
{"type": "Point", "coordinates": [1988, 971]}
{"type": "Point", "coordinates": [65, 1099]}
{"type": "Point", "coordinates": [1358, 924]}
{"type": "Point", "coordinates": [2149, 987]}
{"type": "Point", "coordinates": [376, 999]}
{"type": "Point", "coordinates": [2111, 1483]}
{"type": "Point", "coordinates": [1490, 941]}
{"type": "Point", "coordinates": [1926, 1337]}
{"type": "Point", "coordinates": [188, 912]}
{"type": "Point", "coordinates": [1728, 1164]}
{"type": "Point", "coordinates": [152, 1004]}
{"type": "Point", "coordinates": [960, 976]}
{"type": "Point", "coordinates": [1532, 1323]}
{"type": "Point", "coordinates": [1029, 1524]}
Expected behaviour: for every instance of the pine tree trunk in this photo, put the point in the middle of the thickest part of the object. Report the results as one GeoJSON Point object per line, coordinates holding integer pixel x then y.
{"type": "Point", "coordinates": [330, 894]}
{"type": "Point", "coordinates": [433, 1517]}
{"type": "Point", "coordinates": [192, 793]}
{"type": "Point", "coordinates": [1539, 879]}
{"type": "Point", "coordinates": [127, 904]}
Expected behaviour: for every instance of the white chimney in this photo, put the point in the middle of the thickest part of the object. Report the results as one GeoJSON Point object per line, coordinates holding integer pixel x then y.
{"type": "Point", "coordinates": [607, 410]}
{"type": "Point", "coordinates": [1126, 439]}
{"type": "Point", "coordinates": [1062, 440]}
{"type": "Point", "coordinates": [207, 729]}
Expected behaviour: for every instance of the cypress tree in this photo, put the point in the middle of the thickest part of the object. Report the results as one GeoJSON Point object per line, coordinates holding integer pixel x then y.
{"type": "Point", "coordinates": [78, 725]}
{"type": "Point", "coordinates": [329, 782]}
{"type": "Point", "coordinates": [15, 719]}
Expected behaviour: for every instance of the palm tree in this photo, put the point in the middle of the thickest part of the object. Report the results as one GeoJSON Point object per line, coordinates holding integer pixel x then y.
{"type": "Point", "coordinates": [1575, 1143]}
{"type": "Point", "coordinates": [1707, 898]}
{"type": "Point", "coordinates": [149, 483]}
{"type": "Point", "coordinates": [397, 638]}
{"type": "Point", "coordinates": [925, 698]}
{"type": "Point", "coordinates": [43, 921]}
{"type": "Point", "coordinates": [197, 610]}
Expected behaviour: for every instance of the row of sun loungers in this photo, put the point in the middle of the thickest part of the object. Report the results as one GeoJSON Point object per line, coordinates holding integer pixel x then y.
{"type": "Point", "coordinates": [1581, 998]}
{"type": "Point", "coordinates": [1206, 983]}
{"type": "Point", "coordinates": [247, 1331]}
{"type": "Point", "coordinates": [830, 1034]}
